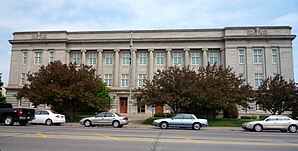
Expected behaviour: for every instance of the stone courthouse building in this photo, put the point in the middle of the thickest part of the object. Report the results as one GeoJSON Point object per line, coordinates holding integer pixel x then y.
{"type": "Point", "coordinates": [254, 53]}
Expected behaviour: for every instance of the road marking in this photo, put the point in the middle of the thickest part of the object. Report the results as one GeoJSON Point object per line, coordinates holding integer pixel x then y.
{"type": "Point", "coordinates": [41, 135]}
{"type": "Point", "coordinates": [108, 137]}
{"type": "Point", "coordinates": [189, 139]}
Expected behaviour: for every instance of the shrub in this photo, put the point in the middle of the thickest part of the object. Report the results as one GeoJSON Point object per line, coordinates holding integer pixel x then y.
{"type": "Point", "coordinates": [168, 115]}
{"type": "Point", "coordinates": [159, 115]}
{"type": "Point", "coordinates": [231, 111]}
{"type": "Point", "coordinates": [254, 117]}
{"type": "Point", "coordinates": [245, 117]}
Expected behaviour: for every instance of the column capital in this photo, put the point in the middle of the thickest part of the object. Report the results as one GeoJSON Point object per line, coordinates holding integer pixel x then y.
{"type": "Point", "coordinates": [205, 49]}
{"type": "Point", "coordinates": [67, 50]}
{"type": "Point", "coordinates": [83, 50]}
{"type": "Point", "coordinates": [186, 49]}
{"type": "Point", "coordinates": [222, 49]}
{"type": "Point", "coordinates": [99, 50]}
{"type": "Point", "coordinates": [151, 50]}
{"type": "Point", "coordinates": [116, 50]}
{"type": "Point", "coordinates": [169, 49]}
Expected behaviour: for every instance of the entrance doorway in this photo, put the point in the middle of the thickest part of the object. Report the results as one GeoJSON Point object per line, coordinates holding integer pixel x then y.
{"type": "Point", "coordinates": [159, 109]}
{"type": "Point", "coordinates": [123, 105]}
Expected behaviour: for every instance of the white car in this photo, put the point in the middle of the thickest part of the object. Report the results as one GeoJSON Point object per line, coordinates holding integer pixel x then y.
{"type": "Point", "coordinates": [48, 117]}
{"type": "Point", "coordinates": [181, 120]}
{"type": "Point", "coordinates": [105, 118]}
{"type": "Point", "coordinates": [277, 122]}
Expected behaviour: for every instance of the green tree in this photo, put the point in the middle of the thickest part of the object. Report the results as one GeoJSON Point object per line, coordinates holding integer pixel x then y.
{"type": "Point", "coordinates": [2, 98]}
{"type": "Point", "coordinates": [67, 88]}
{"type": "Point", "coordinates": [276, 95]}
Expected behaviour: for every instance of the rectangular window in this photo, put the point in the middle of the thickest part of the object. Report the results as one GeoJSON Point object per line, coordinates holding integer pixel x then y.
{"type": "Point", "coordinates": [258, 56]}
{"type": "Point", "coordinates": [241, 56]}
{"type": "Point", "coordinates": [38, 58]}
{"type": "Point", "coordinates": [92, 59]}
{"type": "Point", "coordinates": [160, 58]}
{"type": "Point", "coordinates": [76, 58]}
{"type": "Point", "coordinates": [108, 79]}
{"type": "Point", "coordinates": [141, 79]}
{"type": "Point", "coordinates": [23, 78]}
{"type": "Point", "coordinates": [143, 58]}
{"type": "Point", "coordinates": [125, 58]}
{"type": "Point", "coordinates": [274, 56]}
{"type": "Point", "coordinates": [25, 57]}
{"type": "Point", "coordinates": [195, 58]}
{"type": "Point", "coordinates": [177, 58]}
{"type": "Point", "coordinates": [213, 57]}
{"type": "Point", "coordinates": [258, 79]}
{"type": "Point", "coordinates": [51, 56]}
{"type": "Point", "coordinates": [124, 80]}
{"type": "Point", "coordinates": [109, 58]}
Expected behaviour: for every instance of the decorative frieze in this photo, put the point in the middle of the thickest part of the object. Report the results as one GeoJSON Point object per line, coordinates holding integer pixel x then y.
{"type": "Point", "coordinates": [256, 32]}
{"type": "Point", "coordinates": [39, 36]}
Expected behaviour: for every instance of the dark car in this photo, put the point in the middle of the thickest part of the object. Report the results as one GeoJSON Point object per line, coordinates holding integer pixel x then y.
{"type": "Point", "coordinates": [9, 115]}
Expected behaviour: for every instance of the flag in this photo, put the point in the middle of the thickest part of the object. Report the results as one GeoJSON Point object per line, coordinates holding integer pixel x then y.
{"type": "Point", "coordinates": [131, 48]}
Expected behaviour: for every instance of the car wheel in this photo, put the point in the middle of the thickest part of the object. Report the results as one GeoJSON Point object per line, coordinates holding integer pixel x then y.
{"type": "Point", "coordinates": [293, 128]}
{"type": "Point", "coordinates": [49, 122]}
{"type": "Point", "coordinates": [196, 126]}
{"type": "Point", "coordinates": [258, 128]}
{"type": "Point", "coordinates": [87, 123]}
{"type": "Point", "coordinates": [116, 124]}
{"type": "Point", "coordinates": [163, 125]}
{"type": "Point", "coordinates": [23, 123]}
{"type": "Point", "coordinates": [8, 120]}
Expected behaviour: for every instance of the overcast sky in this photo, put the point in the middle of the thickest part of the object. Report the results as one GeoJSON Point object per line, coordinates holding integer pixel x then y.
{"type": "Point", "coordinates": [98, 15]}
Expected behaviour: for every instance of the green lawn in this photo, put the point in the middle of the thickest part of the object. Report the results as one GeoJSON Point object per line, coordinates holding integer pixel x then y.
{"type": "Point", "coordinates": [217, 122]}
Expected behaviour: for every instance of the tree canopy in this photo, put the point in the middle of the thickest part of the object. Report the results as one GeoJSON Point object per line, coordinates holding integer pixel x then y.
{"type": "Point", "coordinates": [211, 88]}
{"type": "Point", "coordinates": [2, 98]}
{"type": "Point", "coordinates": [66, 87]}
{"type": "Point", "coordinates": [277, 95]}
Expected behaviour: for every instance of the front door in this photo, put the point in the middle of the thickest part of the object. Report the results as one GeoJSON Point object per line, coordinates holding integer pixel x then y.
{"type": "Point", "coordinates": [123, 105]}
{"type": "Point", "coordinates": [159, 109]}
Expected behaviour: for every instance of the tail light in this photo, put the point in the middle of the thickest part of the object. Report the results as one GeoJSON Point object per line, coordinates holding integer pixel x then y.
{"type": "Point", "coordinates": [125, 118]}
{"type": "Point", "coordinates": [20, 112]}
{"type": "Point", "coordinates": [57, 116]}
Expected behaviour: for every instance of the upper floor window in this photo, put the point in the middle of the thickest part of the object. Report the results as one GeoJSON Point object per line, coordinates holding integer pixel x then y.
{"type": "Point", "coordinates": [108, 79]}
{"type": "Point", "coordinates": [51, 55]}
{"type": "Point", "coordinates": [23, 78]}
{"type": "Point", "coordinates": [25, 57]}
{"type": "Point", "coordinates": [141, 80]}
{"type": "Point", "coordinates": [125, 58]}
{"type": "Point", "coordinates": [124, 80]}
{"type": "Point", "coordinates": [241, 56]}
{"type": "Point", "coordinates": [213, 57]}
{"type": "Point", "coordinates": [92, 58]}
{"type": "Point", "coordinates": [258, 79]}
{"type": "Point", "coordinates": [195, 58]}
{"type": "Point", "coordinates": [177, 58]}
{"type": "Point", "coordinates": [109, 58]}
{"type": "Point", "coordinates": [143, 58]}
{"type": "Point", "coordinates": [38, 58]}
{"type": "Point", "coordinates": [160, 58]}
{"type": "Point", "coordinates": [76, 58]}
{"type": "Point", "coordinates": [258, 56]}
{"type": "Point", "coordinates": [274, 56]}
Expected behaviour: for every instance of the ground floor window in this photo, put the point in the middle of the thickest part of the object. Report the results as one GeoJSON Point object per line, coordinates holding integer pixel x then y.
{"type": "Point", "coordinates": [141, 109]}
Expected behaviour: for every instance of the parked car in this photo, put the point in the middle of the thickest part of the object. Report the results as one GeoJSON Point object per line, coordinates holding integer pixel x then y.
{"type": "Point", "coordinates": [105, 118]}
{"type": "Point", "coordinates": [9, 115]}
{"type": "Point", "coordinates": [279, 122]}
{"type": "Point", "coordinates": [183, 121]}
{"type": "Point", "coordinates": [48, 117]}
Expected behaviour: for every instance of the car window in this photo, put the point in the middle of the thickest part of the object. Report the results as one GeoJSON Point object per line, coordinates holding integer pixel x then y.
{"type": "Point", "coordinates": [187, 116]}
{"type": "Point", "coordinates": [110, 115]}
{"type": "Point", "coordinates": [37, 112]}
{"type": "Point", "coordinates": [178, 116]}
{"type": "Point", "coordinates": [271, 119]}
{"type": "Point", "coordinates": [102, 114]}
{"type": "Point", "coordinates": [44, 113]}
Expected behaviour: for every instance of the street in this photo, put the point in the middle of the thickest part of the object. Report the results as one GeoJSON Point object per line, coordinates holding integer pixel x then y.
{"type": "Point", "coordinates": [70, 138]}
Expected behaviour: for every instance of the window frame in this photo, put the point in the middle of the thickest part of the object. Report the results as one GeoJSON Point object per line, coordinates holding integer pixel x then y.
{"type": "Point", "coordinates": [159, 58]}
{"type": "Point", "coordinates": [76, 58]}
{"type": "Point", "coordinates": [213, 57]}
{"type": "Point", "coordinates": [258, 79]}
{"type": "Point", "coordinates": [108, 79]}
{"type": "Point", "coordinates": [195, 59]}
{"type": "Point", "coordinates": [258, 56]}
{"type": "Point", "coordinates": [109, 58]}
{"type": "Point", "coordinates": [274, 55]}
{"type": "Point", "coordinates": [177, 58]}
{"type": "Point", "coordinates": [125, 58]}
{"type": "Point", "coordinates": [141, 78]}
{"type": "Point", "coordinates": [124, 80]}
{"type": "Point", "coordinates": [241, 56]}
{"type": "Point", "coordinates": [38, 58]}
{"type": "Point", "coordinates": [143, 58]}
{"type": "Point", "coordinates": [25, 57]}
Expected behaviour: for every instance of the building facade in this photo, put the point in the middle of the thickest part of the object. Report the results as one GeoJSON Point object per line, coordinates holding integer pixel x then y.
{"type": "Point", "coordinates": [254, 53]}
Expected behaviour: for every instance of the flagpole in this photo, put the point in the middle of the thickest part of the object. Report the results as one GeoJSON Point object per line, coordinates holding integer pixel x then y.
{"type": "Point", "coordinates": [130, 76]}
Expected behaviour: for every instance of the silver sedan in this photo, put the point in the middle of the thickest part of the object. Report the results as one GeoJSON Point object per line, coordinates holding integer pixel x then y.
{"type": "Point", "coordinates": [279, 122]}
{"type": "Point", "coordinates": [105, 118]}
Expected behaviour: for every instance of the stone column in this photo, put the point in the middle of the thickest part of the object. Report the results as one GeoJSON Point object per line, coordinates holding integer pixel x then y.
{"type": "Point", "coordinates": [205, 57]}
{"type": "Point", "coordinates": [222, 57]}
{"type": "Point", "coordinates": [116, 68]}
{"type": "Point", "coordinates": [67, 52]}
{"type": "Point", "coordinates": [83, 56]}
{"type": "Point", "coordinates": [151, 64]}
{"type": "Point", "coordinates": [169, 58]}
{"type": "Point", "coordinates": [186, 56]}
{"type": "Point", "coordinates": [99, 63]}
{"type": "Point", "coordinates": [134, 68]}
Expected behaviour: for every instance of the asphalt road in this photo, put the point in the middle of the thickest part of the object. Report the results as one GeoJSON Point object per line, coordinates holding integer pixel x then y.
{"type": "Point", "coordinates": [78, 138]}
